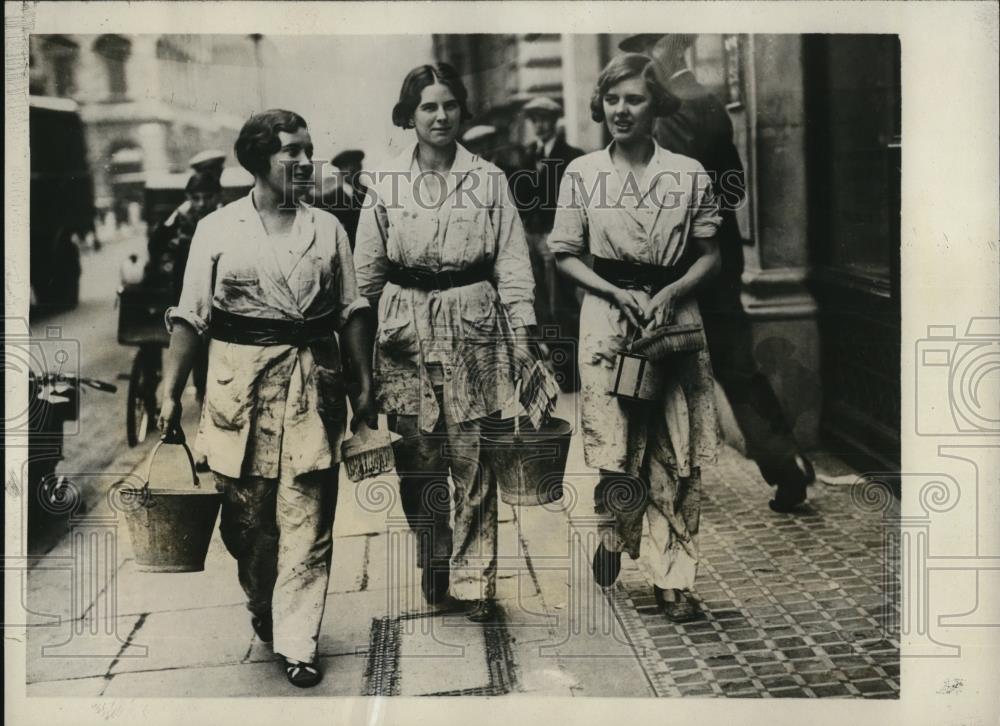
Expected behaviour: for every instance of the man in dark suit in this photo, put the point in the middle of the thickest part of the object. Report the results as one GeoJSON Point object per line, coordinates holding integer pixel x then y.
{"type": "Point", "coordinates": [701, 129]}
{"type": "Point", "coordinates": [556, 303]}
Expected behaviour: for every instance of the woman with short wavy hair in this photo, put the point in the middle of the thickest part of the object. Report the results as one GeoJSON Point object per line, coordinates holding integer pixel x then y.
{"type": "Point", "coordinates": [649, 218]}
{"type": "Point", "coordinates": [270, 284]}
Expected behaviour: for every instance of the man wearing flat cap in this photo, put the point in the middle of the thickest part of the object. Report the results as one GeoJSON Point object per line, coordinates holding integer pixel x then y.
{"type": "Point", "coordinates": [210, 161]}
{"type": "Point", "coordinates": [347, 200]}
{"type": "Point", "coordinates": [350, 162]}
{"type": "Point", "coordinates": [490, 143]}
{"type": "Point", "coordinates": [546, 159]}
{"type": "Point", "coordinates": [480, 140]}
{"type": "Point", "coordinates": [701, 129]}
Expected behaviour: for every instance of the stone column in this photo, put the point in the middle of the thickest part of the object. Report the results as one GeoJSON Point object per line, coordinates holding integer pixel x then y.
{"type": "Point", "coordinates": [583, 58]}
{"type": "Point", "coordinates": [774, 290]}
{"type": "Point", "coordinates": [142, 70]}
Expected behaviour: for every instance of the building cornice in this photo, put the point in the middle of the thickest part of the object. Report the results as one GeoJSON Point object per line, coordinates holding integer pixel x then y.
{"type": "Point", "coordinates": [778, 293]}
{"type": "Point", "coordinates": [155, 111]}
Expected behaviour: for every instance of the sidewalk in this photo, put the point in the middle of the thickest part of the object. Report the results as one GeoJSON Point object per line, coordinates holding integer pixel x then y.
{"type": "Point", "coordinates": [793, 607]}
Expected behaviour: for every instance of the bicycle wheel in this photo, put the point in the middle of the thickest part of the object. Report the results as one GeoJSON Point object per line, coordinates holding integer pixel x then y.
{"type": "Point", "coordinates": [137, 412]}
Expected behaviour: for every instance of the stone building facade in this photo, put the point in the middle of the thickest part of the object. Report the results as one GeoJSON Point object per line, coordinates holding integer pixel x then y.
{"type": "Point", "coordinates": [817, 122]}
{"type": "Point", "coordinates": [149, 102]}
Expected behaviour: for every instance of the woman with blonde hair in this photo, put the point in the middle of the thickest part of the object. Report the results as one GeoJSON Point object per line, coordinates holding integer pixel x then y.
{"type": "Point", "coordinates": [649, 217]}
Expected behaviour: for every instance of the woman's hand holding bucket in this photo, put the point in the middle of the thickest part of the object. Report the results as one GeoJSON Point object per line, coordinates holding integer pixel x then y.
{"type": "Point", "coordinates": [169, 420]}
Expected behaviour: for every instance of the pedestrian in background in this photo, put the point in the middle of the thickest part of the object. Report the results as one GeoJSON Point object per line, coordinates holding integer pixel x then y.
{"type": "Point", "coordinates": [271, 286]}
{"type": "Point", "coordinates": [169, 247]}
{"type": "Point", "coordinates": [702, 130]}
{"type": "Point", "coordinates": [441, 253]}
{"type": "Point", "coordinates": [481, 140]}
{"type": "Point", "coordinates": [348, 197]}
{"type": "Point", "coordinates": [208, 163]}
{"type": "Point", "coordinates": [170, 241]}
{"type": "Point", "coordinates": [653, 237]}
{"type": "Point", "coordinates": [556, 303]}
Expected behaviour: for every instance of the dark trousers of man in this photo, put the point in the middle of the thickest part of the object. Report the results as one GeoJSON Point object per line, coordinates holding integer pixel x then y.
{"type": "Point", "coordinates": [769, 438]}
{"type": "Point", "coordinates": [557, 310]}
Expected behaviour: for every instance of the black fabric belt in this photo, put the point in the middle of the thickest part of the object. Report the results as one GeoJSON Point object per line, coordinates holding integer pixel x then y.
{"type": "Point", "coordinates": [440, 280]}
{"type": "Point", "coordinates": [652, 278]}
{"type": "Point", "coordinates": [246, 330]}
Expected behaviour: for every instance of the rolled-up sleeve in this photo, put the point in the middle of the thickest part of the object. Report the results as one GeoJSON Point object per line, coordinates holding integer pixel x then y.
{"type": "Point", "coordinates": [512, 268]}
{"type": "Point", "coordinates": [350, 300]}
{"type": "Point", "coordinates": [195, 304]}
{"type": "Point", "coordinates": [705, 214]}
{"type": "Point", "coordinates": [370, 261]}
{"type": "Point", "coordinates": [569, 229]}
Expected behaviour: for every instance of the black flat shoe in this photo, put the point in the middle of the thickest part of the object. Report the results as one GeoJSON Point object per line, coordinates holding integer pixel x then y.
{"type": "Point", "coordinates": [482, 611]}
{"type": "Point", "coordinates": [606, 566]}
{"type": "Point", "coordinates": [434, 584]}
{"type": "Point", "coordinates": [263, 625]}
{"type": "Point", "coordinates": [302, 675]}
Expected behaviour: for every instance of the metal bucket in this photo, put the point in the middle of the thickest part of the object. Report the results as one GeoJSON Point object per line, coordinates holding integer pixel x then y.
{"type": "Point", "coordinates": [636, 378]}
{"type": "Point", "coordinates": [530, 464]}
{"type": "Point", "coordinates": [171, 528]}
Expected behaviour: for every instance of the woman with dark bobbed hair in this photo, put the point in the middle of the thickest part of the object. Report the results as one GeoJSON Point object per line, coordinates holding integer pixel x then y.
{"type": "Point", "coordinates": [441, 253]}
{"type": "Point", "coordinates": [270, 282]}
{"type": "Point", "coordinates": [652, 234]}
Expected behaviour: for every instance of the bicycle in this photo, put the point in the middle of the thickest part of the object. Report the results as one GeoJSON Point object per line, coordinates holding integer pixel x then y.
{"type": "Point", "coordinates": [53, 399]}
{"type": "Point", "coordinates": [141, 310]}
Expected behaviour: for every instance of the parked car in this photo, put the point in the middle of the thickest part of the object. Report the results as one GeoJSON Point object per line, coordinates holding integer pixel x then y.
{"type": "Point", "coordinates": [62, 209]}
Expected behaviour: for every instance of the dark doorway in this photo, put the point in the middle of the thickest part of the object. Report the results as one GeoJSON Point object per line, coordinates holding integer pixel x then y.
{"type": "Point", "coordinates": [853, 107]}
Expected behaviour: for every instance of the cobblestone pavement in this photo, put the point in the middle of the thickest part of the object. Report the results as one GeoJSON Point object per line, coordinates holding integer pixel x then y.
{"type": "Point", "coordinates": [793, 606]}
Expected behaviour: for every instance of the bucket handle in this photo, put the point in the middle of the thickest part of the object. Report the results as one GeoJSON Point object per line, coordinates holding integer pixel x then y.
{"type": "Point", "coordinates": [174, 436]}
{"type": "Point", "coordinates": [517, 413]}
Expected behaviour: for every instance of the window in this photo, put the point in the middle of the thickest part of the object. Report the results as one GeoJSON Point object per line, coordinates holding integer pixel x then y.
{"type": "Point", "coordinates": [114, 50]}
{"type": "Point", "coordinates": [61, 54]}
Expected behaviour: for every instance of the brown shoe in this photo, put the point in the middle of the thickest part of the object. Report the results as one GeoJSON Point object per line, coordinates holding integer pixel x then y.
{"type": "Point", "coordinates": [681, 609]}
{"type": "Point", "coordinates": [482, 611]}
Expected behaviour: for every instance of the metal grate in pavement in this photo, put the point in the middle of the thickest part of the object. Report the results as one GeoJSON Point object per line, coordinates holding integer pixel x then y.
{"type": "Point", "coordinates": [381, 676]}
{"type": "Point", "coordinates": [383, 667]}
